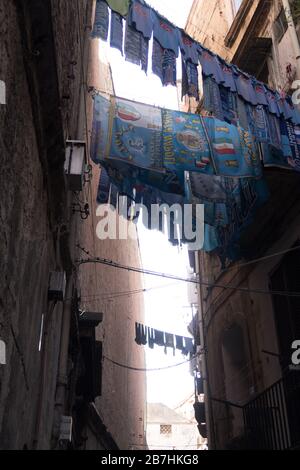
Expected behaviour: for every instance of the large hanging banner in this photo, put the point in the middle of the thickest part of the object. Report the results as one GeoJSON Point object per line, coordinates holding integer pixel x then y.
{"type": "Point", "coordinates": [163, 140]}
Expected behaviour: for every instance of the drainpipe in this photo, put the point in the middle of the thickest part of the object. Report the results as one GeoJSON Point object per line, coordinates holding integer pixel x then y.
{"type": "Point", "coordinates": [293, 33]}
{"type": "Point", "coordinates": [203, 359]}
{"type": "Point", "coordinates": [62, 377]}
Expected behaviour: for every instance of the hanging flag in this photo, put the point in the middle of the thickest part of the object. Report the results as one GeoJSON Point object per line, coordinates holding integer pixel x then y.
{"type": "Point", "coordinates": [100, 128]}
{"type": "Point", "coordinates": [101, 23]}
{"type": "Point", "coordinates": [158, 139]}
{"type": "Point", "coordinates": [136, 134]}
{"type": "Point", "coordinates": [136, 47]}
{"type": "Point", "coordinates": [169, 68]}
{"type": "Point", "coordinates": [157, 59]}
{"type": "Point", "coordinates": [120, 6]}
{"type": "Point", "coordinates": [185, 144]}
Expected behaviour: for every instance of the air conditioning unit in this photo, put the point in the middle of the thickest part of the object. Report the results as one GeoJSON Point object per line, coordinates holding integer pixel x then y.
{"type": "Point", "coordinates": [65, 431]}
{"type": "Point", "coordinates": [75, 164]}
{"type": "Point", "coordinates": [57, 285]}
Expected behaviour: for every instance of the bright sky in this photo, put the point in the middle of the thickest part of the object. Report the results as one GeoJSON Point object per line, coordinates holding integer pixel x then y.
{"type": "Point", "coordinates": [166, 308]}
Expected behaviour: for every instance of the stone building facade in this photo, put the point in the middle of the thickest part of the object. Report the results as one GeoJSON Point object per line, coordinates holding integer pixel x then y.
{"type": "Point", "coordinates": [252, 396]}
{"type": "Point", "coordinates": [44, 57]}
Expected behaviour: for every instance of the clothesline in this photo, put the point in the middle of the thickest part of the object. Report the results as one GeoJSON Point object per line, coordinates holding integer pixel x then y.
{"type": "Point", "coordinates": [146, 335]}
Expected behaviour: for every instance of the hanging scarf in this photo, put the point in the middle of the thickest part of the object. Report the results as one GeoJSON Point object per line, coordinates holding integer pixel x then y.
{"type": "Point", "coordinates": [136, 47]}
{"type": "Point", "coordinates": [101, 23]}
{"type": "Point", "coordinates": [157, 59]}
{"type": "Point", "coordinates": [190, 79]}
{"type": "Point", "coordinates": [116, 31]}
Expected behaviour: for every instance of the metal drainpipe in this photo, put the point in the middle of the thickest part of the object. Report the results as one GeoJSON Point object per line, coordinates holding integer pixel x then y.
{"type": "Point", "coordinates": [204, 368]}
{"type": "Point", "coordinates": [62, 378]}
{"type": "Point", "coordinates": [293, 33]}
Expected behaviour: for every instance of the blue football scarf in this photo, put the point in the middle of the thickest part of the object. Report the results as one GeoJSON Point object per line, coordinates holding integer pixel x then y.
{"type": "Point", "coordinates": [272, 102]}
{"type": "Point", "coordinates": [136, 47]}
{"type": "Point", "coordinates": [185, 144]}
{"type": "Point", "coordinates": [116, 31]}
{"type": "Point", "coordinates": [100, 128]}
{"type": "Point", "coordinates": [235, 151]}
{"type": "Point", "coordinates": [157, 59]}
{"type": "Point", "coordinates": [101, 23]}
{"type": "Point", "coordinates": [169, 68]}
{"type": "Point", "coordinates": [294, 140]}
{"type": "Point", "coordinates": [208, 187]}
{"type": "Point", "coordinates": [190, 80]}
{"type": "Point", "coordinates": [212, 98]}
{"type": "Point", "coordinates": [229, 105]}
{"type": "Point", "coordinates": [140, 17]}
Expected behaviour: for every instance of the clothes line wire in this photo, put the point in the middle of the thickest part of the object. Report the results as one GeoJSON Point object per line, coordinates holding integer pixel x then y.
{"type": "Point", "coordinates": [144, 369]}
{"type": "Point", "coordinates": [192, 281]}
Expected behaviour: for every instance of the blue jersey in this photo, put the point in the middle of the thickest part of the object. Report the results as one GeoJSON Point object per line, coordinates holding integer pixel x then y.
{"type": "Point", "coordinates": [189, 48]}
{"type": "Point", "coordinates": [211, 65]}
{"type": "Point", "coordinates": [245, 88]}
{"type": "Point", "coordinates": [140, 18]}
{"type": "Point", "coordinates": [116, 31]}
{"type": "Point", "coordinates": [260, 93]}
{"type": "Point", "coordinates": [228, 77]}
{"type": "Point", "coordinates": [272, 102]}
{"type": "Point", "coordinates": [165, 33]}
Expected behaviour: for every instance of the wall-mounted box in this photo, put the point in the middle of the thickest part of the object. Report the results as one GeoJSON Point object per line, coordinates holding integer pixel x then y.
{"type": "Point", "coordinates": [66, 424]}
{"type": "Point", "coordinates": [57, 285]}
{"type": "Point", "coordinates": [75, 164]}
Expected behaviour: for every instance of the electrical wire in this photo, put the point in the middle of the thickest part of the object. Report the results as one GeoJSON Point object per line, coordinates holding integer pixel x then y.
{"type": "Point", "coordinates": [188, 280]}
{"type": "Point", "coordinates": [143, 369]}
{"type": "Point", "coordinates": [263, 258]}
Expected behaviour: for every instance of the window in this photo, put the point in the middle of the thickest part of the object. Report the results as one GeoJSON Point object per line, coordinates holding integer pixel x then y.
{"type": "Point", "coordinates": [165, 429]}
{"type": "Point", "coordinates": [280, 26]}
{"type": "Point", "coordinates": [287, 309]}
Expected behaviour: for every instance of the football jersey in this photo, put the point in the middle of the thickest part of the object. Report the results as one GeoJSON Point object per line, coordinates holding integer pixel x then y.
{"type": "Point", "coordinates": [228, 77]}
{"type": "Point", "coordinates": [245, 88]}
{"type": "Point", "coordinates": [140, 17]}
{"type": "Point", "coordinates": [211, 65]}
{"type": "Point", "coordinates": [165, 33]}
{"type": "Point", "coordinates": [189, 48]}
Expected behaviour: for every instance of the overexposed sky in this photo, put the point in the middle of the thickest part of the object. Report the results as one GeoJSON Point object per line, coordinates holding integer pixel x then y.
{"type": "Point", "coordinates": [166, 308]}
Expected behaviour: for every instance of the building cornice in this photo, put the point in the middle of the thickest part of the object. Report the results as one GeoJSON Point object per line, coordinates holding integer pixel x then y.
{"type": "Point", "coordinates": [238, 22]}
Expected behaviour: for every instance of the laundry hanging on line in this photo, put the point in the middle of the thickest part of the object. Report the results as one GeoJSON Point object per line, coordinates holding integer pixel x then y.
{"type": "Point", "coordinates": [146, 335]}
{"type": "Point", "coordinates": [229, 94]}
{"type": "Point", "coordinates": [160, 139]}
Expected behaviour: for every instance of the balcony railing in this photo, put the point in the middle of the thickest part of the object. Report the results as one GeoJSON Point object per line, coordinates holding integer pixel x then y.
{"type": "Point", "coordinates": [272, 419]}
